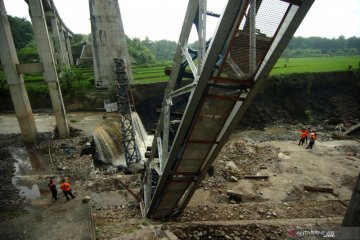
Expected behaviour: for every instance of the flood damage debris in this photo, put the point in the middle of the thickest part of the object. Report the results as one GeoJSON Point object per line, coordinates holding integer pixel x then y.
{"type": "Point", "coordinates": [317, 188]}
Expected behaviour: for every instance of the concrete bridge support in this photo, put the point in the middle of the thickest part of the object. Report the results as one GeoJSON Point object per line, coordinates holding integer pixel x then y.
{"type": "Point", "coordinates": [109, 41]}
{"type": "Point", "coordinates": [57, 45]}
{"type": "Point", "coordinates": [68, 46]}
{"type": "Point", "coordinates": [19, 96]}
{"type": "Point", "coordinates": [46, 55]}
{"type": "Point", "coordinates": [64, 48]}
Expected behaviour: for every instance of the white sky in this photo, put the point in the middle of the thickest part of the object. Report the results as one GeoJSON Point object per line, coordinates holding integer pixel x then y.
{"type": "Point", "coordinates": [162, 19]}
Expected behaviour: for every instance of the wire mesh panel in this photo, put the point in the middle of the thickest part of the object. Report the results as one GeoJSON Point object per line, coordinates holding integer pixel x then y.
{"type": "Point", "coordinates": [269, 15]}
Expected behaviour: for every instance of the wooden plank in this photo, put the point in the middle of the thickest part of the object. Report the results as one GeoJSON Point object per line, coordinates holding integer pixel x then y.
{"type": "Point", "coordinates": [255, 177]}
{"type": "Point", "coordinates": [318, 189]}
{"type": "Point", "coordinates": [190, 165]}
{"type": "Point", "coordinates": [196, 151]}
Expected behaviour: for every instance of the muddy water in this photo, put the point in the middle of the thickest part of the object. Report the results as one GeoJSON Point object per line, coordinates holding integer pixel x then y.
{"type": "Point", "coordinates": [86, 121]}
{"type": "Point", "coordinates": [28, 167]}
{"type": "Point", "coordinates": [31, 167]}
{"type": "Point", "coordinates": [108, 144]}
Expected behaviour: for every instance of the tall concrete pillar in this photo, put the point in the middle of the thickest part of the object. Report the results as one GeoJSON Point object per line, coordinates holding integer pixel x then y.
{"type": "Point", "coordinates": [45, 52]}
{"type": "Point", "coordinates": [63, 47]}
{"type": "Point", "coordinates": [57, 46]}
{"type": "Point", "coordinates": [109, 41]}
{"type": "Point", "coordinates": [15, 81]}
{"type": "Point", "coordinates": [68, 45]}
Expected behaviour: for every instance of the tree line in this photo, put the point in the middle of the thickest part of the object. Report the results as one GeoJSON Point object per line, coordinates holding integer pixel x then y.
{"type": "Point", "coordinates": [147, 51]}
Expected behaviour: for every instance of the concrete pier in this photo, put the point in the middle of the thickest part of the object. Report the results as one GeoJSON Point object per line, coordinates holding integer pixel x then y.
{"type": "Point", "coordinates": [19, 96]}
{"type": "Point", "coordinates": [57, 45]}
{"type": "Point", "coordinates": [109, 41]}
{"type": "Point", "coordinates": [46, 55]}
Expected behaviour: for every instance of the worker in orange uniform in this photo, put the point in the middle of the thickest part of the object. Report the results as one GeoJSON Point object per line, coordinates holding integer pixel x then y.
{"type": "Point", "coordinates": [313, 137]}
{"type": "Point", "coordinates": [302, 136]}
{"type": "Point", "coordinates": [65, 186]}
{"type": "Point", "coordinates": [306, 132]}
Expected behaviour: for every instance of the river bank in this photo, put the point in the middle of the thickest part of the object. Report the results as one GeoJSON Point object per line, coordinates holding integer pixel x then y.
{"type": "Point", "coordinates": [277, 202]}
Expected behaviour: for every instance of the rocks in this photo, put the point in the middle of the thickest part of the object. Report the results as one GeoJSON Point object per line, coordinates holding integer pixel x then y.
{"type": "Point", "coordinates": [86, 199]}
{"type": "Point", "coordinates": [233, 179]}
{"type": "Point", "coordinates": [234, 195]}
{"type": "Point", "coordinates": [232, 166]}
{"type": "Point", "coordinates": [248, 231]}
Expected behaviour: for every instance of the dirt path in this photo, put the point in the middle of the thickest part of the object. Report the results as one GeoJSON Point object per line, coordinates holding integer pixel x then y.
{"type": "Point", "coordinates": [50, 220]}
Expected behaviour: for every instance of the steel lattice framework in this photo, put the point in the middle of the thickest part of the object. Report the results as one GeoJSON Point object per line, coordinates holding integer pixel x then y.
{"type": "Point", "coordinates": [131, 150]}
{"type": "Point", "coordinates": [197, 118]}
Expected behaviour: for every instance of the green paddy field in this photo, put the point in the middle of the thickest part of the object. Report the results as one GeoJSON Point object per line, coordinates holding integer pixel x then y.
{"type": "Point", "coordinates": [155, 73]}
{"type": "Point", "coordinates": [283, 66]}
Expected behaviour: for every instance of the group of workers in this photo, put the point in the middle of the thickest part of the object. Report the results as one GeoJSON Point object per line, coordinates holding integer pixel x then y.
{"type": "Point", "coordinates": [64, 186]}
{"type": "Point", "coordinates": [306, 135]}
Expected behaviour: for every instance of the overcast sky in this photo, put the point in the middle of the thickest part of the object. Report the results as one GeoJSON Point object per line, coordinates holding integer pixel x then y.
{"type": "Point", "coordinates": [162, 19]}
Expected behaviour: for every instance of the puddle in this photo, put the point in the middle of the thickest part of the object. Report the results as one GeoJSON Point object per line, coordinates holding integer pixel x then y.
{"type": "Point", "coordinates": [28, 167]}
{"type": "Point", "coordinates": [31, 192]}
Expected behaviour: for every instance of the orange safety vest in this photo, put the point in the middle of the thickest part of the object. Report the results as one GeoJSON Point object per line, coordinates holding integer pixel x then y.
{"type": "Point", "coordinates": [65, 187]}
{"type": "Point", "coordinates": [302, 134]}
{"type": "Point", "coordinates": [306, 132]}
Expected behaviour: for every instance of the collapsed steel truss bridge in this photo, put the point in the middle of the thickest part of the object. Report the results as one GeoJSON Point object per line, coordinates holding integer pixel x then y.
{"type": "Point", "coordinates": [226, 72]}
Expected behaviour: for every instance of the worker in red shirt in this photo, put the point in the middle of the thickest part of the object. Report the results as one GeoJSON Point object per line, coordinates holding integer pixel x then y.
{"type": "Point", "coordinates": [52, 187]}
{"type": "Point", "coordinates": [65, 186]}
{"type": "Point", "coordinates": [302, 136]}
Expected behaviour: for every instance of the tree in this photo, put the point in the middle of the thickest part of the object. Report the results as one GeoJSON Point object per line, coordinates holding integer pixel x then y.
{"type": "Point", "coordinates": [139, 51]}
{"type": "Point", "coordinates": [79, 38]}
{"type": "Point", "coordinates": [163, 49]}
{"type": "Point", "coordinates": [21, 30]}
{"type": "Point", "coordinates": [29, 53]}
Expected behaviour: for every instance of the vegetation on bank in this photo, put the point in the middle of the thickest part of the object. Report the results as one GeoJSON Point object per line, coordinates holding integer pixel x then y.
{"type": "Point", "coordinates": [151, 57]}
{"type": "Point", "coordinates": [316, 64]}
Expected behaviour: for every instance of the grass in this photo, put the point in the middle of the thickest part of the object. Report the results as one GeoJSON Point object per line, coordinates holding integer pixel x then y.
{"type": "Point", "coordinates": [144, 74]}
{"type": "Point", "coordinates": [151, 74]}
{"type": "Point", "coordinates": [315, 64]}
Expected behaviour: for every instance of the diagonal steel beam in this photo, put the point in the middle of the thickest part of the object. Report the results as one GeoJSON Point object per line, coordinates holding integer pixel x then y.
{"type": "Point", "coordinates": [222, 33]}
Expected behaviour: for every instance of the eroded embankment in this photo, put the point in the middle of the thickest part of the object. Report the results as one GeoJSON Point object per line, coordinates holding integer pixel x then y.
{"type": "Point", "coordinates": [306, 97]}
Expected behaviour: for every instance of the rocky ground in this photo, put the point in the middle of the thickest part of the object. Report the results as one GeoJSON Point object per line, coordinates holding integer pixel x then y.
{"type": "Point", "coordinates": [227, 205]}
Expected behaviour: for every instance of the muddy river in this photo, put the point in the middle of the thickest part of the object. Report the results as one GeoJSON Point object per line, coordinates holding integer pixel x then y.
{"type": "Point", "coordinates": [86, 121]}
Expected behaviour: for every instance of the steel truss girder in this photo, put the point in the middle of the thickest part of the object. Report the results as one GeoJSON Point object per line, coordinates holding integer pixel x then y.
{"type": "Point", "coordinates": [220, 45]}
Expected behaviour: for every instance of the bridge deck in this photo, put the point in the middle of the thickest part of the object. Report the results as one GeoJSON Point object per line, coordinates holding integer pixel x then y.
{"type": "Point", "coordinates": [221, 96]}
